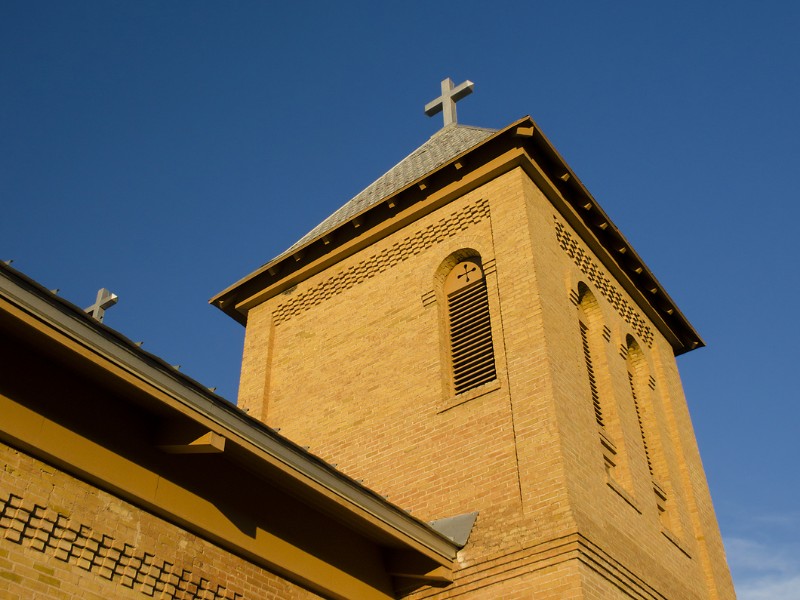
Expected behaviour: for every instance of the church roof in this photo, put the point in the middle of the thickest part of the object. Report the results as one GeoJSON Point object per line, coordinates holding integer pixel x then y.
{"type": "Point", "coordinates": [144, 385]}
{"type": "Point", "coordinates": [445, 145]}
{"type": "Point", "coordinates": [454, 160]}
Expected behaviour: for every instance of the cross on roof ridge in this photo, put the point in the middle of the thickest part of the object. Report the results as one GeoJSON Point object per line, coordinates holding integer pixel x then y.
{"type": "Point", "coordinates": [446, 103]}
{"type": "Point", "coordinates": [105, 299]}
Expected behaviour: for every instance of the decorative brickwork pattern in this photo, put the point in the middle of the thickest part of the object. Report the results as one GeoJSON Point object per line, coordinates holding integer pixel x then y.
{"type": "Point", "coordinates": [47, 531]}
{"type": "Point", "coordinates": [594, 272]}
{"type": "Point", "coordinates": [383, 260]}
{"type": "Point", "coordinates": [363, 378]}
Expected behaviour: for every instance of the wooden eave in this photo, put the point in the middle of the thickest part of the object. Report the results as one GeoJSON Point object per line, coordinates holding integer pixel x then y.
{"type": "Point", "coordinates": [182, 417]}
{"type": "Point", "coordinates": [521, 144]}
{"type": "Point", "coordinates": [286, 266]}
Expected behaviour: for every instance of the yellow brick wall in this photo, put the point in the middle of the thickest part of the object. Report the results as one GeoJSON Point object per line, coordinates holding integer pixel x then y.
{"type": "Point", "coordinates": [62, 538]}
{"type": "Point", "coordinates": [354, 374]}
{"type": "Point", "coordinates": [352, 363]}
{"type": "Point", "coordinates": [627, 527]}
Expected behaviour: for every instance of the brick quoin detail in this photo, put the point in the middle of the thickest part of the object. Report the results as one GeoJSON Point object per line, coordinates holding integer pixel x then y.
{"type": "Point", "coordinates": [49, 532]}
{"type": "Point", "coordinates": [606, 287]}
{"type": "Point", "coordinates": [384, 260]}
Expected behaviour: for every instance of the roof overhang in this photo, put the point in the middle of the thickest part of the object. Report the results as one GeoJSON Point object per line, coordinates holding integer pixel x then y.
{"type": "Point", "coordinates": [193, 452]}
{"type": "Point", "coordinates": [521, 144]}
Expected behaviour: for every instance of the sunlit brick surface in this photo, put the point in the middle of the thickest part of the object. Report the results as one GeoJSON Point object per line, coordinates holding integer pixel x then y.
{"type": "Point", "coordinates": [62, 538]}
{"type": "Point", "coordinates": [353, 363]}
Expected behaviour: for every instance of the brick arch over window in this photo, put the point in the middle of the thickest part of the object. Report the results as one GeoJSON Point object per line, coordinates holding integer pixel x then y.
{"type": "Point", "coordinates": [451, 261]}
{"type": "Point", "coordinates": [469, 326]}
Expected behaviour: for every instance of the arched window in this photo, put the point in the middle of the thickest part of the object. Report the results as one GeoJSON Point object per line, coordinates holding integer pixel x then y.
{"type": "Point", "coordinates": [641, 392]}
{"type": "Point", "coordinates": [637, 367]}
{"type": "Point", "coordinates": [469, 326]}
{"type": "Point", "coordinates": [588, 323]}
{"type": "Point", "coordinates": [594, 337]}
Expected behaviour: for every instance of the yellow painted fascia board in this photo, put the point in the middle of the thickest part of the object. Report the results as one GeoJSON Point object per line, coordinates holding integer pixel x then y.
{"type": "Point", "coordinates": [92, 462]}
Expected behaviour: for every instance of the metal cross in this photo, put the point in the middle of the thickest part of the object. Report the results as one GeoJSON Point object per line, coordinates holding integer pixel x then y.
{"type": "Point", "coordinates": [105, 299]}
{"type": "Point", "coordinates": [467, 271]}
{"type": "Point", "coordinates": [447, 101]}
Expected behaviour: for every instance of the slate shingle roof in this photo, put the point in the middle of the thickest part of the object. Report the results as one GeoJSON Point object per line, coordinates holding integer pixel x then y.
{"type": "Point", "coordinates": [442, 147]}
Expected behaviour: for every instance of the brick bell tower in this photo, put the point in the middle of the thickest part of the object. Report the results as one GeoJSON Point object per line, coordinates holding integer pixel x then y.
{"type": "Point", "coordinates": [471, 333]}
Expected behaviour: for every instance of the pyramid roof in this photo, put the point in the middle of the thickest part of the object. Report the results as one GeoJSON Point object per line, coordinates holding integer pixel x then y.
{"type": "Point", "coordinates": [445, 145]}
{"type": "Point", "coordinates": [454, 160]}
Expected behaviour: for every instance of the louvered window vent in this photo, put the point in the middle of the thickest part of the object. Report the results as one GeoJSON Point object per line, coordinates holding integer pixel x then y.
{"type": "Point", "coordinates": [587, 355]}
{"type": "Point", "coordinates": [638, 410]}
{"type": "Point", "coordinates": [470, 327]}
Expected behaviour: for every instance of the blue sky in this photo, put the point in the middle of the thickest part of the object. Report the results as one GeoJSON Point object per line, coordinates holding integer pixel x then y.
{"type": "Point", "coordinates": [165, 149]}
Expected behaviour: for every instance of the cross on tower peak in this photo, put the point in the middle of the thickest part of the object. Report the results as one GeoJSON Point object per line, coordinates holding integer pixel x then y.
{"type": "Point", "coordinates": [446, 103]}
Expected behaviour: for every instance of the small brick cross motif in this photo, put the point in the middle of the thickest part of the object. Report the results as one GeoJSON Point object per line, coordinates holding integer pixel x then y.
{"type": "Point", "coordinates": [467, 272]}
